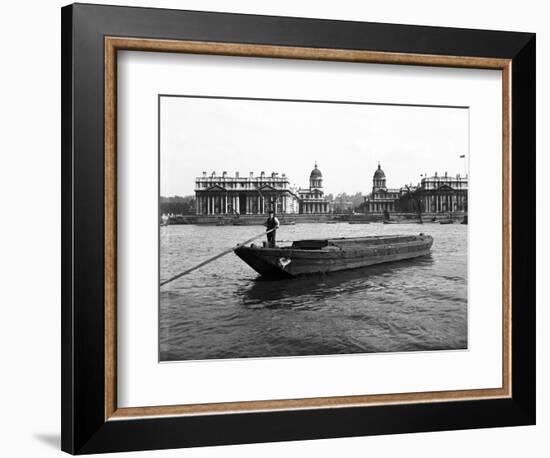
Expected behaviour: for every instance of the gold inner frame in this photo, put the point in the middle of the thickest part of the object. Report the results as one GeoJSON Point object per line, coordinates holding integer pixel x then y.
{"type": "Point", "coordinates": [114, 44]}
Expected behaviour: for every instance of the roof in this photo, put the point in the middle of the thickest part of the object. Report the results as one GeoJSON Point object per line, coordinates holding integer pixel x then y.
{"type": "Point", "coordinates": [315, 173]}
{"type": "Point", "coordinates": [379, 173]}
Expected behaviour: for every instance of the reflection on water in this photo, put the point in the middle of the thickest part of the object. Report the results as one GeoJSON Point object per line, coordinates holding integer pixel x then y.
{"type": "Point", "coordinates": [225, 310]}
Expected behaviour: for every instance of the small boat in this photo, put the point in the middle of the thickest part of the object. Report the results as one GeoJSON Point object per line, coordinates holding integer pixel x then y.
{"type": "Point", "coordinates": [359, 222]}
{"type": "Point", "coordinates": [332, 222]}
{"type": "Point", "coordinates": [446, 221]}
{"type": "Point", "coordinates": [390, 222]}
{"type": "Point", "coordinates": [331, 255]}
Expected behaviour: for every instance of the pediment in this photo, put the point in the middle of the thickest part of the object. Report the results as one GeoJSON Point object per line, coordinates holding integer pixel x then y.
{"type": "Point", "coordinates": [445, 187]}
{"type": "Point", "coordinates": [216, 187]}
{"type": "Point", "coordinates": [267, 187]}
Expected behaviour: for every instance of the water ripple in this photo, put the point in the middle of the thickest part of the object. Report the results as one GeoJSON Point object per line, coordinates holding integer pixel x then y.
{"type": "Point", "coordinates": [225, 311]}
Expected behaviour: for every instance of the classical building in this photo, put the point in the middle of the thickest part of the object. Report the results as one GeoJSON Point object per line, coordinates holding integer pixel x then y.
{"type": "Point", "coordinates": [252, 195]}
{"type": "Point", "coordinates": [381, 199]}
{"type": "Point", "coordinates": [312, 199]}
{"type": "Point", "coordinates": [434, 194]}
{"type": "Point", "coordinates": [440, 194]}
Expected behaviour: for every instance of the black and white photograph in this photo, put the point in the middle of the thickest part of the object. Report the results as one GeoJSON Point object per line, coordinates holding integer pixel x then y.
{"type": "Point", "coordinates": [311, 227]}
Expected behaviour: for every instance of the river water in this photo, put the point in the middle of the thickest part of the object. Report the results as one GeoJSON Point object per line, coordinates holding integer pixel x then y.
{"type": "Point", "coordinates": [224, 310]}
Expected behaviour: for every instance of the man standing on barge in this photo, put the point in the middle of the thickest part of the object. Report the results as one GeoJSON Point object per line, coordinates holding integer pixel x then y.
{"type": "Point", "coordinates": [271, 223]}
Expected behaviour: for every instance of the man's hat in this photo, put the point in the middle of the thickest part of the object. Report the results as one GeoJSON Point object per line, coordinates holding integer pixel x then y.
{"type": "Point", "coordinates": [270, 211]}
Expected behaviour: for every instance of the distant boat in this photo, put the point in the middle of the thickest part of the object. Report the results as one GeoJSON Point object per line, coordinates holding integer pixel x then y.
{"type": "Point", "coordinates": [359, 222]}
{"type": "Point", "coordinates": [446, 221]}
{"type": "Point", "coordinates": [331, 255]}
{"type": "Point", "coordinates": [332, 222]}
{"type": "Point", "coordinates": [390, 222]}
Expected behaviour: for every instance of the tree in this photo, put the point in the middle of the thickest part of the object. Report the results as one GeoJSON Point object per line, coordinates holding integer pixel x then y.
{"type": "Point", "coordinates": [410, 202]}
{"type": "Point", "coordinates": [177, 205]}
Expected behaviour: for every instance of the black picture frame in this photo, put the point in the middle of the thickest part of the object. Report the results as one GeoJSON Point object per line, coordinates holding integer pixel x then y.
{"type": "Point", "coordinates": [84, 428]}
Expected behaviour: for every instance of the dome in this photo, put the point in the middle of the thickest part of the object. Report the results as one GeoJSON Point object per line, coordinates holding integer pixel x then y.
{"type": "Point", "coordinates": [315, 173]}
{"type": "Point", "coordinates": [379, 173]}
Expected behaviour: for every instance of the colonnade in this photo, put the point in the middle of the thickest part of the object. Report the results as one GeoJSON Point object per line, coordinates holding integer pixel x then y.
{"type": "Point", "coordinates": [226, 203]}
{"type": "Point", "coordinates": [444, 202]}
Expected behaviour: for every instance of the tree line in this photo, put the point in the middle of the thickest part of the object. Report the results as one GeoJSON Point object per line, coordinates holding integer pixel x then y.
{"type": "Point", "coordinates": [177, 205]}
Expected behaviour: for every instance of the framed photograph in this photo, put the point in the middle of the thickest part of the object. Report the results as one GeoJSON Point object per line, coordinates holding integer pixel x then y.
{"type": "Point", "coordinates": [282, 228]}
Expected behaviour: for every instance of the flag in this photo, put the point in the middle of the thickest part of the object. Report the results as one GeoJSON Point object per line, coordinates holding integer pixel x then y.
{"type": "Point", "coordinates": [462, 156]}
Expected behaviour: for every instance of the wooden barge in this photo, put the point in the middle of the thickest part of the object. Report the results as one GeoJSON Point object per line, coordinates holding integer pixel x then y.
{"type": "Point", "coordinates": [332, 255]}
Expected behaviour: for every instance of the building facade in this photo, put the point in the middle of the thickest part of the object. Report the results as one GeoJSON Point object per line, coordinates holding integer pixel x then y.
{"type": "Point", "coordinates": [381, 199]}
{"type": "Point", "coordinates": [435, 194]}
{"type": "Point", "coordinates": [236, 195]}
{"type": "Point", "coordinates": [312, 199]}
{"type": "Point", "coordinates": [440, 194]}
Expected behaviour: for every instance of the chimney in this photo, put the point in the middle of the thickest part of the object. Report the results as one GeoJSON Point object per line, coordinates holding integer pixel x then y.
{"type": "Point", "coordinates": [262, 174]}
{"type": "Point", "coordinates": [213, 173]}
{"type": "Point", "coordinates": [224, 174]}
{"type": "Point", "coordinates": [445, 174]}
{"type": "Point", "coordinates": [251, 175]}
{"type": "Point", "coordinates": [435, 174]}
{"type": "Point", "coordinates": [236, 174]}
{"type": "Point", "coordinates": [204, 174]}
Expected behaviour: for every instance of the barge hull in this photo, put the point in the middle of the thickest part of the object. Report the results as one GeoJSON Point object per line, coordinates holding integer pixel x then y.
{"type": "Point", "coordinates": [291, 262]}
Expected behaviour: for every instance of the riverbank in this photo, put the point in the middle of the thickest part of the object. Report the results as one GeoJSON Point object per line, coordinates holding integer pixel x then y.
{"type": "Point", "coordinates": [288, 219]}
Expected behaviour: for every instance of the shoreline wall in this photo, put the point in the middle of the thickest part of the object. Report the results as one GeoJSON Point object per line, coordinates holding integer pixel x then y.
{"type": "Point", "coordinates": [258, 220]}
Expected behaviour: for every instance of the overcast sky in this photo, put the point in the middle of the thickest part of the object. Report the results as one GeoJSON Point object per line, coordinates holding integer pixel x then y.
{"type": "Point", "coordinates": [346, 140]}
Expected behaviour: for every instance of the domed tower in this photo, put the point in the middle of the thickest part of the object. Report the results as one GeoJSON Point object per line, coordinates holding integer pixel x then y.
{"type": "Point", "coordinates": [316, 178]}
{"type": "Point", "coordinates": [379, 179]}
